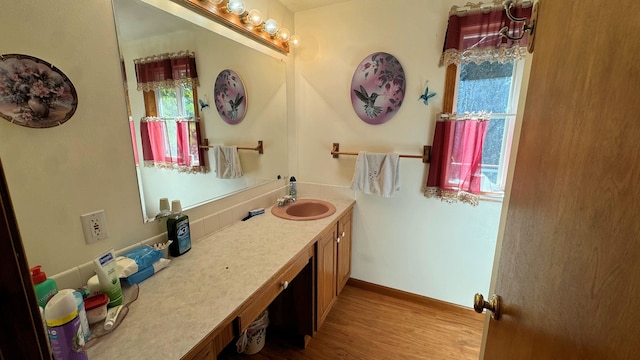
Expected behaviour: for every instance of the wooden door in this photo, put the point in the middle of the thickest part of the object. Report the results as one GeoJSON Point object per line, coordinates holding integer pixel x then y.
{"type": "Point", "coordinates": [344, 252]}
{"type": "Point", "coordinates": [22, 335]}
{"type": "Point", "coordinates": [569, 269]}
{"type": "Point", "coordinates": [326, 257]}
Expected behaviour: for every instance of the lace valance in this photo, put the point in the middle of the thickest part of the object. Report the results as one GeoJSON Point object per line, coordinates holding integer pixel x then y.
{"type": "Point", "coordinates": [166, 71]}
{"type": "Point", "coordinates": [473, 33]}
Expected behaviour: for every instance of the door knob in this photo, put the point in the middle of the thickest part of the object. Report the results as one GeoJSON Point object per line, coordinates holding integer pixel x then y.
{"type": "Point", "coordinates": [493, 305]}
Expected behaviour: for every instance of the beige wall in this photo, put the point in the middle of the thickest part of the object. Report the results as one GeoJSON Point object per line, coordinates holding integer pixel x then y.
{"type": "Point", "coordinates": [408, 242]}
{"type": "Point", "coordinates": [86, 164]}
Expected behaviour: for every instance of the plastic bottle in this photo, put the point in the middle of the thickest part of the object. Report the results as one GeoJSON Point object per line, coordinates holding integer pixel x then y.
{"type": "Point", "coordinates": [108, 276]}
{"type": "Point", "coordinates": [63, 327]}
{"type": "Point", "coordinates": [82, 313]}
{"type": "Point", "coordinates": [45, 288]}
{"type": "Point", "coordinates": [178, 230]}
{"type": "Point", "coordinates": [293, 191]}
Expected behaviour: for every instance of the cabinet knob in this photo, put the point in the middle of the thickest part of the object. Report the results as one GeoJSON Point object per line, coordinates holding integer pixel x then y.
{"type": "Point", "coordinates": [338, 240]}
{"type": "Point", "coordinates": [285, 284]}
{"type": "Point", "coordinates": [343, 234]}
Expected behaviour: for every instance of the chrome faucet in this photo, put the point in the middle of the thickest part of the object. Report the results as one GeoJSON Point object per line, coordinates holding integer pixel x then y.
{"type": "Point", "coordinates": [285, 199]}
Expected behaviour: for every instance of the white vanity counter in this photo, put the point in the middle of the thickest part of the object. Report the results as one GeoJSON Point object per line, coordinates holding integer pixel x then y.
{"type": "Point", "coordinates": [203, 289]}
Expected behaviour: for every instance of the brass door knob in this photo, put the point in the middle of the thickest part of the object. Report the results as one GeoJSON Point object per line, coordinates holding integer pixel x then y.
{"type": "Point", "coordinates": [479, 304]}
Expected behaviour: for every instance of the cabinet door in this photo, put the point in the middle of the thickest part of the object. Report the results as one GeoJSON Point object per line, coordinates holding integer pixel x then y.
{"type": "Point", "coordinates": [326, 286]}
{"type": "Point", "coordinates": [344, 252]}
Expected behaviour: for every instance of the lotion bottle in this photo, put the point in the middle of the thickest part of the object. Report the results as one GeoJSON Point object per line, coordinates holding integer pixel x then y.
{"type": "Point", "coordinates": [178, 230]}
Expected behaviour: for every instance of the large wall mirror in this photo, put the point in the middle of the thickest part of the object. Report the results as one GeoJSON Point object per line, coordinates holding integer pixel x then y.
{"type": "Point", "coordinates": [146, 30]}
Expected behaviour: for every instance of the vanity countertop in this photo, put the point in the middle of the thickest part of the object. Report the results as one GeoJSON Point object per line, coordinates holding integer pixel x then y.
{"type": "Point", "coordinates": [182, 304]}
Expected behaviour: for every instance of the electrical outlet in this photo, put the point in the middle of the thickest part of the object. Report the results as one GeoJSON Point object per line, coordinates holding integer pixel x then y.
{"type": "Point", "coordinates": [94, 226]}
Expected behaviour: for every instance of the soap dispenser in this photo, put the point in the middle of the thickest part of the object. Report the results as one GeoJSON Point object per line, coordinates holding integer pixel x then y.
{"type": "Point", "coordinates": [293, 191]}
{"type": "Point", "coordinates": [45, 287]}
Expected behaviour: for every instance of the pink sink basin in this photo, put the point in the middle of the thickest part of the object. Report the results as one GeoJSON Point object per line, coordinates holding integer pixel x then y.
{"type": "Point", "coordinates": [304, 209]}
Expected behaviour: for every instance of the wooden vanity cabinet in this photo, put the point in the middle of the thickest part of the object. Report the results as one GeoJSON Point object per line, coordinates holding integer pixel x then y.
{"type": "Point", "coordinates": [333, 265]}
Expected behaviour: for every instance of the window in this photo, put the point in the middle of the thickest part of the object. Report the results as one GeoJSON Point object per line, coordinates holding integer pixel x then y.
{"type": "Point", "coordinates": [174, 103]}
{"type": "Point", "coordinates": [492, 87]}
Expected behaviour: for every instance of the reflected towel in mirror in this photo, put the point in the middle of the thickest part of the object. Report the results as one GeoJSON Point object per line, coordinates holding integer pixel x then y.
{"type": "Point", "coordinates": [227, 162]}
{"type": "Point", "coordinates": [377, 174]}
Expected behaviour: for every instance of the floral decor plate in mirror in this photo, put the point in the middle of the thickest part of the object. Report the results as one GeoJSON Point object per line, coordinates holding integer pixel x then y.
{"type": "Point", "coordinates": [230, 97]}
{"type": "Point", "coordinates": [34, 93]}
{"type": "Point", "coordinates": [377, 88]}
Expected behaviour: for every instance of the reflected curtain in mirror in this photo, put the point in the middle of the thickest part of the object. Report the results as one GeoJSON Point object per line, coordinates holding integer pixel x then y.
{"type": "Point", "coordinates": [172, 144]}
{"type": "Point", "coordinates": [166, 71]}
{"type": "Point", "coordinates": [473, 33]}
{"type": "Point", "coordinates": [456, 158]}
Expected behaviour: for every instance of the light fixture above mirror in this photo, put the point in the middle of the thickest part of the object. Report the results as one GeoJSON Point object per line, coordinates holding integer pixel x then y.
{"type": "Point", "coordinates": [232, 14]}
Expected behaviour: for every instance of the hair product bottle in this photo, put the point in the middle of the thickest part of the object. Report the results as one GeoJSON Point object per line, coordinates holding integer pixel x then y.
{"type": "Point", "coordinates": [64, 329]}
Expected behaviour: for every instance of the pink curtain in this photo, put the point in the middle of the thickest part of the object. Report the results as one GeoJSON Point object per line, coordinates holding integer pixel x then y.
{"type": "Point", "coordinates": [166, 71]}
{"type": "Point", "coordinates": [132, 129]}
{"type": "Point", "coordinates": [190, 155]}
{"type": "Point", "coordinates": [473, 34]}
{"type": "Point", "coordinates": [456, 158]}
{"type": "Point", "coordinates": [181, 153]}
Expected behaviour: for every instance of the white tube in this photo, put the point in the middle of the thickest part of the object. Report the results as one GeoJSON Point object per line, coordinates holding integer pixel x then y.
{"type": "Point", "coordinates": [112, 317]}
{"type": "Point", "coordinates": [108, 276]}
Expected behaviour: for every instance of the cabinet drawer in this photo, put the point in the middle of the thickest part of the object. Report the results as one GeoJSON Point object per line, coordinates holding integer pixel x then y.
{"type": "Point", "coordinates": [270, 291]}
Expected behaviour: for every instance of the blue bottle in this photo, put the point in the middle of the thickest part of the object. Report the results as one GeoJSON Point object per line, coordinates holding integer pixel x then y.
{"type": "Point", "coordinates": [178, 230]}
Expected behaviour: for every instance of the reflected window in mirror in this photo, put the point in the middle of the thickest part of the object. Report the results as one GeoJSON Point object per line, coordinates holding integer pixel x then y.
{"type": "Point", "coordinates": [170, 131]}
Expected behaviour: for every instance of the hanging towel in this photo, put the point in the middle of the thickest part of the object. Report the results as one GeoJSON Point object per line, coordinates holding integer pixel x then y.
{"type": "Point", "coordinates": [227, 162]}
{"type": "Point", "coordinates": [377, 174]}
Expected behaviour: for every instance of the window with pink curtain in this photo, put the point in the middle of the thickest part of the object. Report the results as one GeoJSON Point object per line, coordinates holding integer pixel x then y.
{"type": "Point", "coordinates": [456, 158]}
{"type": "Point", "coordinates": [171, 144]}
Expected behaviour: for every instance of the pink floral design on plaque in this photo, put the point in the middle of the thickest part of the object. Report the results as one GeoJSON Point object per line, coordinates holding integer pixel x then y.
{"type": "Point", "coordinates": [377, 88]}
{"type": "Point", "coordinates": [230, 97]}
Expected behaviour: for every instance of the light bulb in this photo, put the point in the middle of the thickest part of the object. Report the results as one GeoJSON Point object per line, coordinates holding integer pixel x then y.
{"type": "Point", "coordinates": [270, 27]}
{"type": "Point", "coordinates": [284, 34]}
{"type": "Point", "coordinates": [235, 7]}
{"type": "Point", "coordinates": [294, 40]}
{"type": "Point", "coordinates": [254, 17]}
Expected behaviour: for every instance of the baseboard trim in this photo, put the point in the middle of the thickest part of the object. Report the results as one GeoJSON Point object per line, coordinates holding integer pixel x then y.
{"type": "Point", "coordinates": [414, 298]}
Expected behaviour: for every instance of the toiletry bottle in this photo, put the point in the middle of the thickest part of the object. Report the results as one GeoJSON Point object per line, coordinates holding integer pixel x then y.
{"type": "Point", "coordinates": [293, 192]}
{"type": "Point", "coordinates": [64, 329]}
{"type": "Point", "coordinates": [178, 230]}
{"type": "Point", "coordinates": [45, 288]}
{"type": "Point", "coordinates": [109, 278]}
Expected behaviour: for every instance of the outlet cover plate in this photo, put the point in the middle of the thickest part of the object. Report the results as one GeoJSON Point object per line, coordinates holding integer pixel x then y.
{"type": "Point", "coordinates": [94, 226]}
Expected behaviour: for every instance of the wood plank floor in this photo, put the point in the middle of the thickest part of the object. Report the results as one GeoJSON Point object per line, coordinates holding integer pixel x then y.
{"type": "Point", "coordinates": [368, 325]}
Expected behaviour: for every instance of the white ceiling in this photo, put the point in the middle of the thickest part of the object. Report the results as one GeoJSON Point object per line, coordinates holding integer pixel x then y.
{"type": "Point", "coordinates": [301, 5]}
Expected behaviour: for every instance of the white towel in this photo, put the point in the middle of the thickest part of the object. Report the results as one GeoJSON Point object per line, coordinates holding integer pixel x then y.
{"type": "Point", "coordinates": [377, 174]}
{"type": "Point", "coordinates": [227, 162]}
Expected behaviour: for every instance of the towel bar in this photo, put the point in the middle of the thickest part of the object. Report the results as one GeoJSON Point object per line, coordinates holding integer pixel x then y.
{"type": "Point", "coordinates": [426, 153]}
{"type": "Point", "coordinates": [205, 145]}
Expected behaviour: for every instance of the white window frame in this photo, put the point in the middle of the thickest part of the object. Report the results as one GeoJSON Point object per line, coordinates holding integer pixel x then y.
{"type": "Point", "coordinates": [179, 97]}
{"type": "Point", "coordinates": [509, 126]}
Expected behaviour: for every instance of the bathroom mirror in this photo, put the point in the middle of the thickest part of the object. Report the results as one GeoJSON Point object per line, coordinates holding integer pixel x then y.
{"type": "Point", "coordinates": [145, 30]}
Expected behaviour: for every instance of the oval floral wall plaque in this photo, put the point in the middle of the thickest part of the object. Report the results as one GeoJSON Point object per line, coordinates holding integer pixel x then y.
{"type": "Point", "coordinates": [377, 88]}
{"type": "Point", "coordinates": [34, 93]}
{"type": "Point", "coordinates": [230, 97]}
